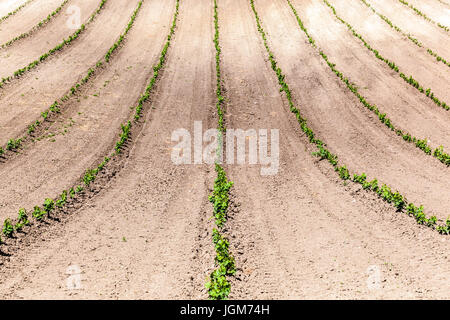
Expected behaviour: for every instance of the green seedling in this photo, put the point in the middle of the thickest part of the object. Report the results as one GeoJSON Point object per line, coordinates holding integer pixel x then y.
{"type": "Point", "coordinates": [22, 220]}
{"type": "Point", "coordinates": [8, 228]}
{"type": "Point", "coordinates": [38, 213]}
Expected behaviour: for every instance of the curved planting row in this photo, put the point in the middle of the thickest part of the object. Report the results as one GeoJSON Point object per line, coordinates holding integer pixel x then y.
{"type": "Point", "coordinates": [157, 68]}
{"type": "Point", "coordinates": [15, 143]}
{"type": "Point", "coordinates": [413, 40]}
{"type": "Point", "coordinates": [75, 194]}
{"type": "Point", "coordinates": [59, 47]}
{"type": "Point", "coordinates": [15, 11]}
{"type": "Point", "coordinates": [423, 15]}
{"type": "Point", "coordinates": [218, 285]}
{"type": "Point", "coordinates": [391, 64]}
{"type": "Point", "coordinates": [422, 144]}
{"type": "Point", "coordinates": [36, 27]}
{"type": "Point", "coordinates": [69, 197]}
{"type": "Point", "coordinates": [382, 190]}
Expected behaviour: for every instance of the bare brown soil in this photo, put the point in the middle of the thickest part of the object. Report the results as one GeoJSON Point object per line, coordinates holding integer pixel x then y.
{"type": "Point", "coordinates": [143, 230]}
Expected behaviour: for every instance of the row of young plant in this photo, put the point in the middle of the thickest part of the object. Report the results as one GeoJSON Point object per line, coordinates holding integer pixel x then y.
{"type": "Point", "coordinates": [36, 27]}
{"type": "Point", "coordinates": [15, 143]}
{"type": "Point", "coordinates": [15, 11]}
{"type": "Point", "coordinates": [422, 144]}
{"type": "Point", "coordinates": [59, 47]}
{"type": "Point", "coordinates": [391, 64]}
{"type": "Point", "coordinates": [414, 40]}
{"type": "Point", "coordinates": [55, 108]}
{"type": "Point", "coordinates": [218, 285]}
{"type": "Point", "coordinates": [158, 67]}
{"type": "Point", "coordinates": [51, 205]}
{"type": "Point", "coordinates": [382, 190]}
{"type": "Point", "coordinates": [423, 15]}
{"type": "Point", "coordinates": [122, 36]}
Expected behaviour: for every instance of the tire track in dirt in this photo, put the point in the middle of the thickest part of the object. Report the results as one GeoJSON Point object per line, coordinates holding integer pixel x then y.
{"type": "Point", "coordinates": [23, 101]}
{"type": "Point", "coordinates": [148, 236]}
{"type": "Point", "coordinates": [338, 118]}
{"type": "Point", "coordinates": [31, 19]}
{"type": "Point", "coordinates": [405, 106]}
{"type": "Point", "coordinates": [414, 24]}
{"type": "Point", "coordinates": [301, 234]}
{"type": "Point", "coordinates": [429, 73]}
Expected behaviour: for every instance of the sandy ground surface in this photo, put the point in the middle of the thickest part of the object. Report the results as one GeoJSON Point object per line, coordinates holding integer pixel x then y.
{"type": "Point", "coordinates": [145, 230]}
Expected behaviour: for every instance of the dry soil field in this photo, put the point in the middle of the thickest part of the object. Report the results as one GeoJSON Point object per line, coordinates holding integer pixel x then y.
{"type": "Point", "coordinates": [94, 206]}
